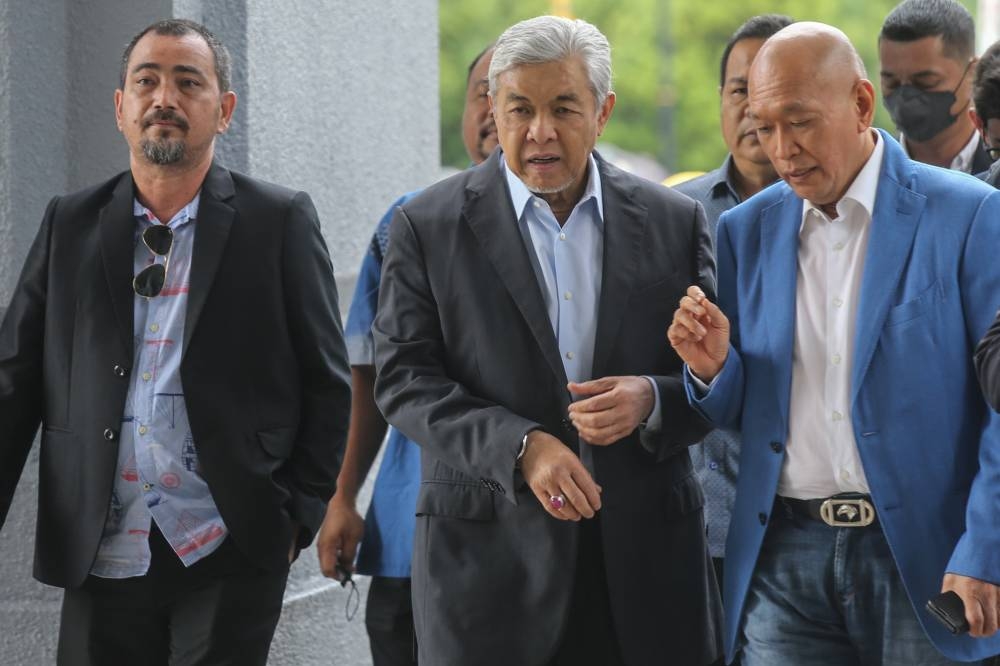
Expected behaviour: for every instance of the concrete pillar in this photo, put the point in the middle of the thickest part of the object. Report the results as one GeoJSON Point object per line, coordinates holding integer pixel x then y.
{"type": "Point", "coordinates": [337, 98]}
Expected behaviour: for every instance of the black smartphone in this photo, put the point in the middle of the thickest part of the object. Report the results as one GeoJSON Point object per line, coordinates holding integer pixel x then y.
{"type": "Point", "coordinates": [949, 610]}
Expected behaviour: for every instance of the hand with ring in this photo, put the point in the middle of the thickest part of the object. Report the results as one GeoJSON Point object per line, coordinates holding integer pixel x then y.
{"type": "Point", "coordinates": [561, 483]}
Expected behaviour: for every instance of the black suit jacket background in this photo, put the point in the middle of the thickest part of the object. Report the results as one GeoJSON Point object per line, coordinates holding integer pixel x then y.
{"type": "Point", "coordinates": [468, 362]}
{"type": "Point", "coordinates": [264, 368]}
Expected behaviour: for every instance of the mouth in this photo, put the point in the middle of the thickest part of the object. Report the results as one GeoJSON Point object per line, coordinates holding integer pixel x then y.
{"type": "Point", "coordinates": [798, 175]}
{"type": "Point", "coordinates": [543, 160]}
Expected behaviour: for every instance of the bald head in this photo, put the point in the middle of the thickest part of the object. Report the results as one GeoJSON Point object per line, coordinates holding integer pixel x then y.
{"type": "Point", "coordinates": [809, 51]}
{"type": "Point", "coordinates": [812, 108]}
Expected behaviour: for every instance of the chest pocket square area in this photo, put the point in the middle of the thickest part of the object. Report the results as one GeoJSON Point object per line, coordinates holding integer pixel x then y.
{"type": "Point", "coordinates": [916, 307]}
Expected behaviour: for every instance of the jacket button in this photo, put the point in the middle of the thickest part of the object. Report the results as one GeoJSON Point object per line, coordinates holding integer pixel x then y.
{"type": "Point", "coordinates": [762, 517]}
{"type": "Point", "coordinates": [568, 426]}
{"type": "Point", "coordinates": [110, 434]}
{"type": "Point", "coordinates": [776, 447]}
{"type": "Point", "coordinates": [120, 371]}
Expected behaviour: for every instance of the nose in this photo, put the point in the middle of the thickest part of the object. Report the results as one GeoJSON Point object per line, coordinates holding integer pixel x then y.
{"type": "Point", "coordinates": [783, 144]}
{"type": "Point", "coordinates": [165, 96]}
{"type": "Point", "coordinates": [541, 129]}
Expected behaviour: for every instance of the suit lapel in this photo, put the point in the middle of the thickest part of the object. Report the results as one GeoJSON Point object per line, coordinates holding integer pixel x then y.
{"type": "Point", "coordinates": [625, 223]}
{"type": "Point", "coordinates": [117, 233]}
{"type": "Point", "coordinates": [894, 225]}
{"type": "Point", "coordinates": [490, 214]}
{"type": "Point", "coordinates": [779, 241]}
{"type": "Point", "coordinates": [215, 218]}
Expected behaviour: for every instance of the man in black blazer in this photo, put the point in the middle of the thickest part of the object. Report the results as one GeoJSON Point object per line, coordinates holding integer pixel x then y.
{"type": "Point", "coordinates": [175, 331]}
{"type": "Point", "coordinates": [520, 342]}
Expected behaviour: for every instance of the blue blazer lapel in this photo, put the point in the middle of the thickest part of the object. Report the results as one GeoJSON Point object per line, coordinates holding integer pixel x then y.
{"type": "Point", "coordinates": [779, 230]}
{"type": "Point", "coordinates": [894, 225]}
{"type": "Point", "coordinates": [490, 214]}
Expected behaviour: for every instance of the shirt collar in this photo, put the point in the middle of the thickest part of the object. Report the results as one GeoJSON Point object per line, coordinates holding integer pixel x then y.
{"type": "Point", "coordinates": [520, 195]}
{"type": "Point", "coordinates": [862, 190]}
{"type": "Point", "coordinates": [961, 162]}
{"type": "Point", "coordinates": [724, 178]}
{"type": "Point", "coordinates": [189, 212]}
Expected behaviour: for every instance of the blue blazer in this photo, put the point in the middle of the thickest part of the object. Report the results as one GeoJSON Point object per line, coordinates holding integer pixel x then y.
{"type": "Point", "coordinates": [929, 445]}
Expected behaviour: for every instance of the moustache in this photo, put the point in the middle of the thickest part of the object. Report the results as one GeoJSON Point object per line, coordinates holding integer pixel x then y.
{"type": "Point", "coordinates": [164, 115]}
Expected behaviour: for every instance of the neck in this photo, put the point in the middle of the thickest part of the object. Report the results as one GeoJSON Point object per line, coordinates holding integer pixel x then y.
{"type": "Point", "coordinates": [943, 148]}
{"type": "Point", "coordinates": [164, 190]}
{"type": "Point", "coordinates": [751, 177]}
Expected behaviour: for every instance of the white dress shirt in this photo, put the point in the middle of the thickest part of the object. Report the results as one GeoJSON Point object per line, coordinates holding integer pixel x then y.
{"type": "Point", "coordinates": [822, 455]}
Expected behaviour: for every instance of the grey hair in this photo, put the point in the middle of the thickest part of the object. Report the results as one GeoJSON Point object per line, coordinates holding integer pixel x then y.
{"type": "Point", "coordinates": [551, 38]}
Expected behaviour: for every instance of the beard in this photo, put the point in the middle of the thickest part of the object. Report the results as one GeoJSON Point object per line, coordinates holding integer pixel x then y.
{"type": "Point", "coordinates": [552, 189]}
{"type": "Point", "coordinates": [163, 151]}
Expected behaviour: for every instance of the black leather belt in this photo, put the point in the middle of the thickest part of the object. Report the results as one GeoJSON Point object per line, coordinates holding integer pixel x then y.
{"type": "Point", "coordinates": [844, 510]}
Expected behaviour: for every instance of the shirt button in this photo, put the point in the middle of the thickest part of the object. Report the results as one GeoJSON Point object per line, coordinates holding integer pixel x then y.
{"type": "Point", "coordinates": [837, 302]}
{"type": "Point", "coordinates": [569, 355]}
{"type": "Point", "coordinates": [776, 447]}
{"type": "Point", "coordinates": [568, 295]}
{"type": "Point", "coordinates": [762, 517]}
{"type": "Point", "coordinates": [839, 246]}
{"type": "Point", "coordinates": [845, 475]}
{"type": "Point", "coordinates": [154, 327]}
{"type": "Point", "coordinates": [146, 376]}
{"type": "Point", "coordinates": [538, 204]}
{"type": "Point", "coordinates": [143, 430]}
{"type": "Point", "coordinates": [110, 434]}
{"type": "Point", "coordinates": [835, 359]}
{"type": "Point", "coordinates": [562, 236]}
{"type": "Point", "coordinates": [837, 416]}
{"type": "Point", "coordinates": [146, 487]}
{"type": "Point", "coordinates": [713, 465]}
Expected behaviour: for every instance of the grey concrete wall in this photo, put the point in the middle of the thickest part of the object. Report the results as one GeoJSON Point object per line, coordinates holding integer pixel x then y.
{"type": "Point", "coordinates": [335, 97]}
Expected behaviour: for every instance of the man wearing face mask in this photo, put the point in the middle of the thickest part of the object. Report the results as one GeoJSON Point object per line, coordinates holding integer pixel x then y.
{"type": "Point", "coordinates": [986, 115]}
{"type": "Point", "coordinates": [927, 59]}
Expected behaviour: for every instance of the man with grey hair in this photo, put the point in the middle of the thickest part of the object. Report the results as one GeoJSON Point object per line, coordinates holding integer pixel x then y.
{"type": "Point", "coordinates": [175, 332]}
{"type": "Point", "coordinates": [519, 342]}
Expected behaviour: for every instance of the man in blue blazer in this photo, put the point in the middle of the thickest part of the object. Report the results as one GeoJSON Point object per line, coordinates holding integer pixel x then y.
{"type": "Point", "coordinates": [854, 294]}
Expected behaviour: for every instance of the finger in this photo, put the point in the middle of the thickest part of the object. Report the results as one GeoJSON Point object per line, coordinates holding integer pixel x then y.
{"type": "Point", "coordinates": [973, 614]}
{"type": "Point", "coordinates": [327, 561]}
{"type": "Point", "coordinates": [685, 320]}
{"type": "Point", "coordinates": [576, 498]}
{"type": "Point", "coordinates": [695, 292]}
{"type": "Point", "coordinates": [693, 306]}
{"type": "Point", "coordinates": [544, 498]}
{"type": "Point", "coordinates": [592, 387]}
{"type": "Point", "coordinates": [597, 403]}
{"type": "Point", "coordinates": [589, 487]}
{"type": "Point", "coordinates": [606, 436]}
{"type": "Point", "coordinates": [989, 619]}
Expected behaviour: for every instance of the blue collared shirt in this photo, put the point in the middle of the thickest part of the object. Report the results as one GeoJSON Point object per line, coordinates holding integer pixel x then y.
{"type": "Point", "coordinates": [157, 473]}
{"type": "Point", "coordinates": [569, 263]}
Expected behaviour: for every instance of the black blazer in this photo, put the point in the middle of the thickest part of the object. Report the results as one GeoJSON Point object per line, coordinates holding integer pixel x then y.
{"type": "Point", "coordinates": [468, 362]}
{"type": "Point", "coordinates": [264, 367]}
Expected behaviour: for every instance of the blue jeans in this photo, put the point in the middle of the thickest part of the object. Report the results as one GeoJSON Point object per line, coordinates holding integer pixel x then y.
{"type": "Point", "coordinates": [830, 596]}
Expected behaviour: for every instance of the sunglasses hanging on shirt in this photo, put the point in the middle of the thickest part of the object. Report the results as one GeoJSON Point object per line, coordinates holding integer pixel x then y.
{"type": "Point", "coordinates": [148, 282]}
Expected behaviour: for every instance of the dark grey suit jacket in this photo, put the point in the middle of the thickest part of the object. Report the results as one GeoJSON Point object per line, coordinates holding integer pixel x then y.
{"type": "Point", "coordinates": [468, 363]}
{"type": "Point", "coordinates": [264, 367]}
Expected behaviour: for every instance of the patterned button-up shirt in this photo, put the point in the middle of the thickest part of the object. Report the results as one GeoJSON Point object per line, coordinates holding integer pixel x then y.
{"type": "Point", "coordinates": [158, 476]}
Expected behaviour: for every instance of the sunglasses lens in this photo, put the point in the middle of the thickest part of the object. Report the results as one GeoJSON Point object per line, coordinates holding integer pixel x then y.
{"type": "Point", "coordinates": [158, 238]}
{"type": "Point", "coordinates": [149, 281]}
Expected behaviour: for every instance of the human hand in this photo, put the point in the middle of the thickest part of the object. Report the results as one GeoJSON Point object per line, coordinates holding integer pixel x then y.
{"type": "Point", "coordinates": [700, 334]}
{"type": "Point", "coordinates": [616, 407]}
{"type": "Point", "coordinates": [982, 603]}
{"type": "Point", "coordinates": [339, 536]}
{"type": "Point", "coordinates": [551, 468]}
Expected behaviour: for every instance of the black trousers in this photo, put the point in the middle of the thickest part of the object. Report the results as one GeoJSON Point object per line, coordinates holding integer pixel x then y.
{"type": "Point", "coordinates": [389, 621]}
{"type": "Point", "coordinates": [222, 610]}
{"type": "Point", "coordinates": [590, 634]}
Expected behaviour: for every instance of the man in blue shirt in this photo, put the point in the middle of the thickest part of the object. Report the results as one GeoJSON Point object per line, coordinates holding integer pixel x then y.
{"type": "Point", "coordinates": [745, 172]}
{"type": "Point", "coordinates": [386, 535]}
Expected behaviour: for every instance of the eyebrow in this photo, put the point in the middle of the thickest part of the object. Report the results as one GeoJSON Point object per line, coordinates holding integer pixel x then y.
{"type": "Point", "coordinates": [179, 69]}
{"type": "Point", "coordinates": [923, 74]}
{"type": "Point", "coordinates": [737, 79]}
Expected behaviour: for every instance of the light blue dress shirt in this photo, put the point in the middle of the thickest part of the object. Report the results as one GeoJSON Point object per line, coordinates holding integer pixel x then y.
{"type": "Point", "coordinates": [569, 264]}
{"type": "Point", "coordinates": [157, 474]}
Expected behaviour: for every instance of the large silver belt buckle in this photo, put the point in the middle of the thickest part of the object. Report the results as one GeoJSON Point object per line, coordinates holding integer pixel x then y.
{"type": "Point", "coordinates": [847, 512]}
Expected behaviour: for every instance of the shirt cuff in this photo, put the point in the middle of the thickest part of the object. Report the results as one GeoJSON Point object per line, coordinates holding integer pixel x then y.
{"type": "Point", "coordinates": [654, 421]}
{"type": "Point", "coordinates": [701, 388]}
